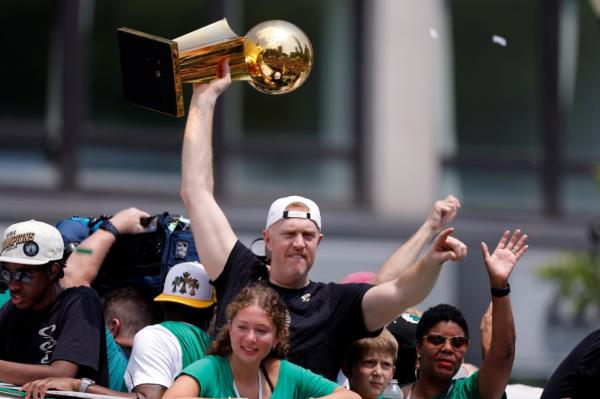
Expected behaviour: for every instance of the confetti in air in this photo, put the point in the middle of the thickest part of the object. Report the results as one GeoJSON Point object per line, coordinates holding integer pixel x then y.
{"type": "Point", "coordinates": [433, 33]}
{"type": "Point", "coordinates": [499, 40]}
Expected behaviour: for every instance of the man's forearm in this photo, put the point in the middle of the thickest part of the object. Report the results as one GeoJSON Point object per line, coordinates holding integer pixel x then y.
{"type": "Point", "coordinates": [19, 373]}
{"type": "Point", "coordinates": [405, 255]}
{"type": "Point", "coordinates": [85, 262]}
{"type": "Point", "coordinates": [383, 303]}
{"type": "Point", "coordinates": [197, 157]}
{"type": "Point", "coordinates": [416, 281]}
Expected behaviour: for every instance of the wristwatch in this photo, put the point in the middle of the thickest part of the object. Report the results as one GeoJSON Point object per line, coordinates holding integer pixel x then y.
{"type": "Point", "coordinates": [108, 226]}
{"type": "Point", "coordinates": [85, 384]}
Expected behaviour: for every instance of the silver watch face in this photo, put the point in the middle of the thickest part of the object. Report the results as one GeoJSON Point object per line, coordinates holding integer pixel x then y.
{"type": "Point", "coordinates": [85, 384]}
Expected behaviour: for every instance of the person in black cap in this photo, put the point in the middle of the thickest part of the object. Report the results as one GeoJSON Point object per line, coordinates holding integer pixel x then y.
{"type": "Point", "coordinates": [404, 329]}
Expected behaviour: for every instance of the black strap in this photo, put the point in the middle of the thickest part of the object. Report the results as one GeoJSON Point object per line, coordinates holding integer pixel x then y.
{"type": "Point", "coordinates": [264, 371]}
{"type": "Point", "coordinates": [500, 292]}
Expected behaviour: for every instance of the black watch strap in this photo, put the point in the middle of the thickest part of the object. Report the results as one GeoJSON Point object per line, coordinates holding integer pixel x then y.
{"type": "Point", "coordinates": [108, 226]}
{"type": "Point", "coordinates": [500, 292]}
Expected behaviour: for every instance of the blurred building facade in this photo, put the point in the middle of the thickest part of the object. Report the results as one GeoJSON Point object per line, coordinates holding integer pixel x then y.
{"type": "Point", "coordinates": [492, 101]}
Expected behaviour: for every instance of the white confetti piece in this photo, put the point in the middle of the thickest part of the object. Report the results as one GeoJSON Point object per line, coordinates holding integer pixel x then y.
{"type": "Point", "coordinates": [499, 40]}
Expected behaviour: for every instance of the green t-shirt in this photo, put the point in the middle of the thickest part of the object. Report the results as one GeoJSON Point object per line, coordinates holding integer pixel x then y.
{"type": "Point", "coordinates": [213, 373]}
{"type": "Point", "coordinates": [4, 297]}
{"type": "Point", "coordinates": [117, 363]}
{"type": "Point", "coordinates": [464, 388]}
{"type": "Point", "coordinates": [193, 341]}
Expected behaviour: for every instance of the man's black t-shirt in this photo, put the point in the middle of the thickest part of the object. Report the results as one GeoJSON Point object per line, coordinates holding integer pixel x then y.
{"type": "Point", "coordinates": [325, 318]}
{"type": "Point", "coordinates": [71, 329]}
{"type": "Point", "coordinates": [579, 374]}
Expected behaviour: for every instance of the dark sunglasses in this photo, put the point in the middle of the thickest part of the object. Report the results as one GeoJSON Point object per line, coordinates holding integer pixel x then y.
{"type": "Point", "coordinates": [22, 276]}
{"type": "Point", "coordinates": [457, 342]}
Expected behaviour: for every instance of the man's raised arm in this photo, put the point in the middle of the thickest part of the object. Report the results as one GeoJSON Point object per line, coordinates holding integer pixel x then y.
{"type": "Point", "coordinates": [442, 213]}
{"type": "Point", "coordinates": [213, 235]}
{"type": "Point", "coordinates": [383, 303]}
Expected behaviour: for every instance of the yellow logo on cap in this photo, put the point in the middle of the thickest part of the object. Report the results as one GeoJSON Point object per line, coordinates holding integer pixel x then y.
{"type": "Point", "coordinates": [12, 240]}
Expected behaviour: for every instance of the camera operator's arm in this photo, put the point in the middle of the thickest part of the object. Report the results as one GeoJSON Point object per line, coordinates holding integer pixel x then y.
{"type": "Point", "coordinates": [84, 263]}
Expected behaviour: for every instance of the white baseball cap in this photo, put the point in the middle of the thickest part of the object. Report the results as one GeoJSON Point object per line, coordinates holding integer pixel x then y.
{"type": "Point", "coordinates": [31, 243]}
{"type": "Point", "coordinates": [278, 210]}
{"type": "Point", "coordinates": [188, 284]}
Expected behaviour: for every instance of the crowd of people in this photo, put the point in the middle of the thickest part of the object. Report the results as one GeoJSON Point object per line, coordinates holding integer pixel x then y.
{"type": "Point", "coordinates": [239, 325]}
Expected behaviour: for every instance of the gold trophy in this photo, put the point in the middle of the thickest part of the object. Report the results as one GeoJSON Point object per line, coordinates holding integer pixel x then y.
{"type": "Point", "coordinates": [275, 57]}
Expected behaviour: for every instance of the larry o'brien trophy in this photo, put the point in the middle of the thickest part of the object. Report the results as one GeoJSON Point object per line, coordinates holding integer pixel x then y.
{"type": "Point", "coordinates": [275, 57]}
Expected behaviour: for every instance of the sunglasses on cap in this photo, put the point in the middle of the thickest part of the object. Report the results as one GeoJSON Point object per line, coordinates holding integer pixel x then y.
{"type": "Point", "coordinates": [22, 276]}
{"type": "Point", "coordinates": [457, 342]}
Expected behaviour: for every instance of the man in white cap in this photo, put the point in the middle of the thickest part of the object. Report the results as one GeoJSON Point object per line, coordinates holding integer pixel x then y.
{"type": "Point", "coordinates": [160, 351]}
{"type": "Point", "coordinates": [45, 330]}
{"type": "Point", "coordinates": [325, 318]}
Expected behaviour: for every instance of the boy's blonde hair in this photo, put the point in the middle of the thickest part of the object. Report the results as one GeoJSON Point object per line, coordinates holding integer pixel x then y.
{"type": "Point", "coordinates": [384, 342]}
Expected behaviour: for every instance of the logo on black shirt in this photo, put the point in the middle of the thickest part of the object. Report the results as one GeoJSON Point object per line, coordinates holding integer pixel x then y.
{"type": "Point", "coordinates": [49, 342]}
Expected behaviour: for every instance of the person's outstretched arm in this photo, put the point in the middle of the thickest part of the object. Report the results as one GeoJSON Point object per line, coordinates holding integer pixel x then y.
{"type": "Point", "coordinates": [20, 373]}
{"type": "Point", "coordinates": [213, 235]}
{"type": "Point", "coordinates": [85, 262]}
{"type": "Point", "coordinates": [38, 389]}
{"type": "Point", "coordinates": [442, 213]}
{"type": "Point", "coordinates": [497, 364]}
{"type": "Point", "coordinates": [383, 303]}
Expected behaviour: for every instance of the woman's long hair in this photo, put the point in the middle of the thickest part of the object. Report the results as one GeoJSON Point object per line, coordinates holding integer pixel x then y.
{"type": "Point", "coordinates": [266, 299]}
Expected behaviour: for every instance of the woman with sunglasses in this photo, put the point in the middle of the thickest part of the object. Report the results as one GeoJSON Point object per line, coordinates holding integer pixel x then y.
{"type": "Point", "coordinates": [443, 336]}
{"type": "Point", "coordinates": [246, 358]}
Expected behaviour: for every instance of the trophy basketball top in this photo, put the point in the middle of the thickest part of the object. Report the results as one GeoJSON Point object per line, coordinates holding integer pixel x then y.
{"type": "Point", "coordinates": [278, 56]}
{"type": "Point", "coordinates": [275, 57]}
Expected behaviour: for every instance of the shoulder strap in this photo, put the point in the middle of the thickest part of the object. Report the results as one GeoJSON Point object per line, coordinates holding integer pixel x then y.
{"type": "Point", "coordinates": [264, 371]}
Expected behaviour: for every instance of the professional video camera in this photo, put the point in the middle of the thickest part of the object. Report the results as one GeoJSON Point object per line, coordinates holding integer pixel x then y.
{"type": "Point", "coordinates": [141, 260]}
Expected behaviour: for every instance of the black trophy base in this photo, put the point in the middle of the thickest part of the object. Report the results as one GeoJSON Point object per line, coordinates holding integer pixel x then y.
{"type": "Point", "coordinates": [150, 71]}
